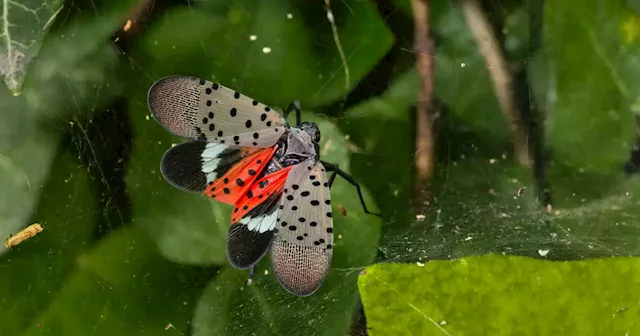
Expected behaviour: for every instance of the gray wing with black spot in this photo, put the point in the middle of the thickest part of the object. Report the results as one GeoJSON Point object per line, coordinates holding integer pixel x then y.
{"type": "Point", "coordinates": [303, 245]}
{"type": "Point", "coordinates": [199, 109]}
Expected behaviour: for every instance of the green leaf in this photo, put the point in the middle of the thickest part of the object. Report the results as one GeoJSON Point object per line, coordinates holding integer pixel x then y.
{"type": "Point", "coordinates": [188, 227]}
{"type": "Point", "coordinates": [498, 295]}
{"type": "Point", "coordinates": [120, 286]}
{"type": "Point", "coordinates": [592, 84]}
{"type": "Point", "coordinates": [34, 271]}
{"type": "Point", "coordinates": [264, 307]}
{"type": "Point", "coordinates": [23, 25]}
{"type": "Point", "coordinates": [289, 58]}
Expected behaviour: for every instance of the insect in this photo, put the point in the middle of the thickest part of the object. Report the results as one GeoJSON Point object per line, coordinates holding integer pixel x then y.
{"type": "Point", "coordinates": [23, 235]}
{"type": "Point", "coordinates": [242, 152]}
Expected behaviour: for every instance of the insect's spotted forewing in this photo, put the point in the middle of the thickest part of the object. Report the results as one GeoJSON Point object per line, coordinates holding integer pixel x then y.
{"type": "Point", "coordinates": [303, 245]}
{"type": "Point", "coordinates": [198, 109]}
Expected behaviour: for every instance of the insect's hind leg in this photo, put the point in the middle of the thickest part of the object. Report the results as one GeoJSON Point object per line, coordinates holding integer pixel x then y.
{"type": "Point", "coordinates": [330, 167]}
{"type": "Point", "coordinates": [294, 106]}
{"type": "Point", "coordinates": [250, 278]}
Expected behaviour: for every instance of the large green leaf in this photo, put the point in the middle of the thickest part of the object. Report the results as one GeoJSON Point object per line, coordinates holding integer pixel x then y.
{"type": "Point", "coordinates": [300, 61]}
{"type": "Point", "coordinates": [497, 295]}
{"type": "Point", "coordinates": [265, 308]}
{"type": "Point", "coordinates": [23, 24]}
{"type": "Point", "coordinates": [122, 286]}
{"type": "Point", "coordinates": [34, 271]}
{"type": "Point", "coordinates": [592, 83]}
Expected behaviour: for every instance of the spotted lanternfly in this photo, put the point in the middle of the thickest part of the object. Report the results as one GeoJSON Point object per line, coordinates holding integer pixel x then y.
{"type": "Point", "coordinates": [245, 154]}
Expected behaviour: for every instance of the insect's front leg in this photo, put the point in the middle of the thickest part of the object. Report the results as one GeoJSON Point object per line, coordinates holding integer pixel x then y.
{"type": "Point", "coordinates": [294, 106]}
{"type": "Point", "coordinates": [330, 167]}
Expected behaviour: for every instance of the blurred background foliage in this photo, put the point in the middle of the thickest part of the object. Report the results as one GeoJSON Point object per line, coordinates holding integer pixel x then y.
{"type": "Point", "coordinates": [124, 252]}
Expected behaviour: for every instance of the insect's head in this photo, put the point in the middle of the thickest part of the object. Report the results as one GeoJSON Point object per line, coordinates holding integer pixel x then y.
{"type": "Point", "coordinates": [311, 129]}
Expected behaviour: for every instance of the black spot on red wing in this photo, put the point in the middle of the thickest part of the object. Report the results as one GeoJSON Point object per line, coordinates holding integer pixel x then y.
{"type": "Point", "coordinates": [260, 196]}
{"type": "Point", "coordinates": [328, 214]}
{"type": "Point", "coordinates": [233, 112]}
{"type": "Point", "coordinates": [249, 194]}
{"type": "Point", "coordinates": [301, 219]}
{"type": "Point", "coordinates": [314, 202]}
{"type": "Point", "coordinates": [226, 180]}
{"type": "Point", "coordinates": [248, 123]}
{"type": "Point", "coordinates": [252, 172]}
{"type": "Point", "coordinates": [226, 191]}
{"type": "Point", "coordinates": [245, 207]}
{"type": "Point", "coordinates": [299, 237]}
{"type": "Point", "coordinates": [290, 197]}
{"type": "Point", "coordinates": [313, 223]}
{"type": "Point", "coordinates": [240, 182]}
{"type": "Point", "coordinates": [305, 193]}
{"type": "Point", "coordinates": [293, 228]}
{"type": "Point", "coordinates": [259, 161]}
{"type": "Point", "coordinates": [316, 183]}
{"type": "Point", "coordinates": [263, 117]}
{"type": "Point", "coordinates": [329, 230]}
{"type": "Point", "coordinates": [235, 210]}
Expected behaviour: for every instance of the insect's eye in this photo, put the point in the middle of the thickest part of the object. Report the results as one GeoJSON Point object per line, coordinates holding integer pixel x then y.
{"type": "Point", "coordinates": [316, 137]}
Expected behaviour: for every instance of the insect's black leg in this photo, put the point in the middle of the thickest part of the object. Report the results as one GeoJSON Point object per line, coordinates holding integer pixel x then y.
{"type": "Point", "coordinates": [295, 105]}
{"type": "Point", "coordinates": [337, 171]}
{"type": "Point", "coordinates": [249, 279]}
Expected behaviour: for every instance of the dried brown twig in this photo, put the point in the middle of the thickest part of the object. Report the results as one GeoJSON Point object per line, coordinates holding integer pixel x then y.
{"type": "Point", "coordinates": [500, 75]}
{"type": "Point", "coordinates": [424, 51]}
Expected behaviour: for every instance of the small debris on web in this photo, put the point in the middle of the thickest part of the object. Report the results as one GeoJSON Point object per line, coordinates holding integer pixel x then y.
{"type": "Point", "coordinates": [266, 50]}
{"type": "Point", "coordinates": [339, 236]}
{"type": "Point", "coordinates": [443, 322]}
{"type": "Point", "coordinates": [169, 326]}
{"type": "Point", "coordinates": [342, 210]}
{"type": "Point", "coordinates": [521, 191]}
{"type": "Point", "coordinates": [23, 235]}
{"type": "Point", "coordinates": [420, 218]}
{"type": "Point", "coordinates": [266, 272]}
{"type": "Point", "coordinates": [127, 25]}
{"type": "Point", "coordinates": [549, 208]}
{"type": "Point", "coordinates": [253, 37]}
{"type": "Point", "coordinates": [543, 253]}
{"type": "Point", "coordinates": [492, 192]}
{"type": "Point", "coordinates": [419, 264]}
{"type": "Point", "coordinates": [289, 16]}
{"type": "Point", "coordinates": [468, 238]}
{"type": "Point", "coordinates": [492, 161]}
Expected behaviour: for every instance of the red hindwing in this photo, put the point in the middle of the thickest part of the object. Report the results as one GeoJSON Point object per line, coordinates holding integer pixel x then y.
{"type": "Point", "coordinates": [259, 192]}
{"type": "Point", "coordinates": [237, 180]}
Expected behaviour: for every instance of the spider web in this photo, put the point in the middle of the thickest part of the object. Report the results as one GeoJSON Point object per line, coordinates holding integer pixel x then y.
{"type": "Point", "coordinates": [475, 207]}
